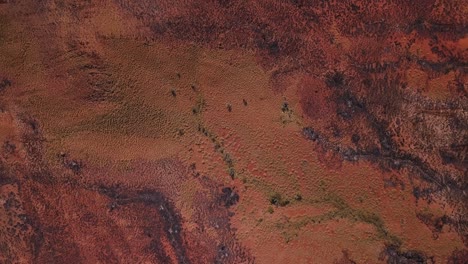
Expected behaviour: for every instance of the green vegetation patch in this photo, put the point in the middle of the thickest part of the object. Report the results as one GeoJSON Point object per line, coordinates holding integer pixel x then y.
{"type": "Point", "coordinates": [342, 211]}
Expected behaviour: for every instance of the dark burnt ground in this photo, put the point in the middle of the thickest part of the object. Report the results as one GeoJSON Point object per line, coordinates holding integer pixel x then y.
{"type": "Point", "coordinates": [359, 88]}
{"type": "Point", "coordinates": [458, 256]}
{"type": "Point", "coordinates": [395, 255]}
{"type": "Point", "coordinates": [52, 218]}
{"type": "Point", "coordinates": [213, 215]}
{"type": "Point", "coordinates": [159, 218]}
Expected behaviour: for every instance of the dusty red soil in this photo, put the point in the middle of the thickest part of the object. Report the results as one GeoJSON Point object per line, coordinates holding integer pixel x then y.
{"type": "Point", "coordinates": [233, 131]}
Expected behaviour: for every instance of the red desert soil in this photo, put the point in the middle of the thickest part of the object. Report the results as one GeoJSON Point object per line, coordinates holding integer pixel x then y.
{"type": "Point", "coordinates": [233, 131]}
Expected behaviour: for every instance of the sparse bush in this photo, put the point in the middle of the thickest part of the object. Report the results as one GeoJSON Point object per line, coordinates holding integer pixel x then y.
{"type": "Point", "coordinates": [180, 132]}
{"type": "Point", "coordinates": [232, 172]}
{"type": "Point", "coordinates": [270, 210]}
{"type": "Point", "coordinates": [278, 200]}
{"type": "Point", "coordinates": [227, 158]}
{"type": "Point", "coordinates": [217, 146]}
{"type": "Point", "coordinates": [285, 107]}
{"type": "Point", "coordinates": [298, 197]}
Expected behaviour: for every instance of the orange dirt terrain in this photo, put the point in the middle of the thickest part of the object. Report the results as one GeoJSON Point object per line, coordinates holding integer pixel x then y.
{"type": "Point", "coordinates": [222, 131]}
